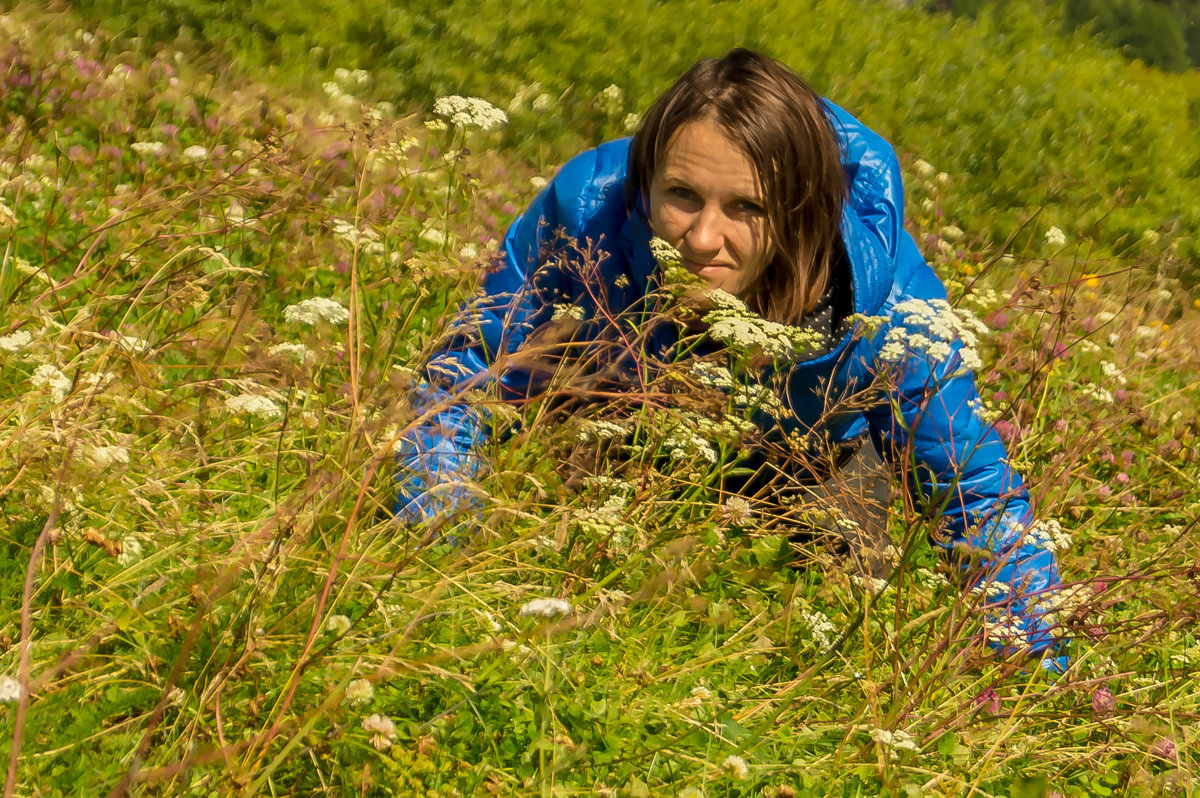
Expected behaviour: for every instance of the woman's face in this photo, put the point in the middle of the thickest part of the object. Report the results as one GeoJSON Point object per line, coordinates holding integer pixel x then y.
{"type": "Point", "coordinates": [706, 201]}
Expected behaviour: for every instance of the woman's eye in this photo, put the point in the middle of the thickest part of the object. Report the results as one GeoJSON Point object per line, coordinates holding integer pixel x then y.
{"type": "Point", "coordinates": [685, 194]}
{"type": "Point", "coordinates": [749, 208]}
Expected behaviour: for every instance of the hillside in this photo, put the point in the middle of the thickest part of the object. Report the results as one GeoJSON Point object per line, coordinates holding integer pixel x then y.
{"type": "Point", "coordinates": [217, 283]}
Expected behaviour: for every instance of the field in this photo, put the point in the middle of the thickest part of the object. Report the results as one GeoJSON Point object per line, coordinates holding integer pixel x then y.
{"type": "Point", "coordinates": [221, 269]}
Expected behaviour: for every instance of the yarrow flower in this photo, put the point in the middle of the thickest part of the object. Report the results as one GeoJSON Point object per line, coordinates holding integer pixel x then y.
{"type": "Point", "coordinates": [566, 310]}
{"type": "Point", "coordinates": [820, 628]}
{"type": "Point", "coordinates": [317, 309]}
{"type": "Point", "coordinates": [259, 407]}
{"type": "Point", "coordinates": [10, 690]}
{"type": "Point", "coordinates": [195, 153]}
{"type": "Point", "coordinates": [148, 147]}
{"type": "Point", "coordinates": [929, 328]}
{"type": "Point", "coordinates": [545, 608]}
{"type": "Point", "coordinates": [469, 112]}
{"type": "Point", "coordinates": [895, 741]}
{"type": "Point", "coordinates": [51, 379]}
{"type": "Point", "coordinates": [290, 351]}
{"type": "Point", "coordinates": [1049, 534]}
{"type": "Point", "coordinates": [1056, 238]}
{"type": "Point", "coordinates": [15, 342]}
{"type": "Point", "coordinates": [382, 730]}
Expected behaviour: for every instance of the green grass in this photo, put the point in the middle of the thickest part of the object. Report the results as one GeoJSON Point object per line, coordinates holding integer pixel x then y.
{"type": "Point", "coordinates": [183, 632]}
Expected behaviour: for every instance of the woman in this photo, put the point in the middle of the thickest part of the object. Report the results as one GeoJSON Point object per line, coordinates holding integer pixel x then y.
{"type": "Point", "coordinates": [776, 196]}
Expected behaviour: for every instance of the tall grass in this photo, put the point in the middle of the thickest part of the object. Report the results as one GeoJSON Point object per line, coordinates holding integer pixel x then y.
{"type": "Point", "coordinates": [201, 594]}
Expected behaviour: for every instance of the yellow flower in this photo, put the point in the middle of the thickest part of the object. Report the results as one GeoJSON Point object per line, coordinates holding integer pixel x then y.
{"type": "Point", "coordinates": [1091, 281]}
{"type": "Point", "coordinates": [1196, 303]}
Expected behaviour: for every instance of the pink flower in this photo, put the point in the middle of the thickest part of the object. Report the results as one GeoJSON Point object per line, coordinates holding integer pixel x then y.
{"type": "Point", "coordinates": [1122, 478]}
{"type": "Point", "coordinates": [1103, 702]}
{"type": "Point", "coordinates": [1103, 492]}
{"type": "Point", "coordinates": [998, 320]}
{"type": "Point", "coordinates": [1164, 748]}
{"type": "Point", "coordinates": [989, 699]}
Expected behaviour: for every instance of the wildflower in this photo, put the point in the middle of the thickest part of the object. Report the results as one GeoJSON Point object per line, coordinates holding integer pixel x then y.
{"type": "Point", "coordinates": [253, 405]}
{"type": "Point", "coordinates": [195, 153]}
{"type": "Point", "coordinates": [568, 311]}
{"type": "Point", "coordinates": [1103, 702]}
{"type": "Point", "coordinates": [8, 219]}
{"type": "Point", "coordinates": [1096, 393]}
{"type": "Point", "coordinates": [664, 253]}
{"type": "Point", "coordinates": [989, 699]}
{"type": "Point", "coordinates": [315, 310]}
{"type": "Point", "coordinates": [737, 511]}
{"type": "Point", "coordinates": [131, 552]}
{"type": "Point", "coordinates": [1113, 372]}
{"type": "Point", "coordinates": [365, 239]}
{"type": "Point", "coordinates": [103, 457]}
{"type": "Point", "coordinates": [359, 692]}
{"type": "Point", "coordinates": [820, 628]}
{"type": "Point", "coordinates": [1049, 534]}
{"type": "Point", "coordinates": [1004, 629]}
{"type": "Point", "coordinates": [148, 147]}
{"type": "Point", "coordinates": [1056, 238]}
{"type": "Point", "coordinates": [51, 379]}
{"type": "Point", "coordinates": [290, 351]}
{"type": "Point", "coordinates": [735, 766]}
{"type": "Point", "coordinates": [337, 624]}
{"type": "Point", "coordinates": [944, 326]}
{"type": "Point", "coordinates": [545, 608]}
{"type": "Point", "coordinates": [712, 375]}
{"type": "Point", "coordinates": [1164, 748]}
{"type": "Point", "coordinates": [382, 731]}
{"type": "Point", "coordinates": [599, 430]}
{"type": "Point", "coordinates": [631, 122]}
{"type": "Point", "coordinates": [468, 251]}
{"type": "Point", "coordinates": [433, 236]}
{"type": "Point", "coordinates": [952, 232]}
{"type": "Point", "coordinates": [923, 168]}
{"type": "Point", "coordinates": [10, 690]}
{"type": "Point", "coordinates": [469, 112]}
{"type": "Point", "coordinates": [895, 741]}
{"type": "Point", "coordinates": [15, 342]}
{"type": "Point", "coordinates": [538, 182]}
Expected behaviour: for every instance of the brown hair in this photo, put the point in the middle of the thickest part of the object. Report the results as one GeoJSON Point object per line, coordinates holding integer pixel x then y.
{"type": "Point", "coordinates": [782, 125]}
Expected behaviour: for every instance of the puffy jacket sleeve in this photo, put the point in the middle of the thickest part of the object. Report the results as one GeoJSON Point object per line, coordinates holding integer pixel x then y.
{"type": "Point", "coordinates": [931, 430]}
{"type": "Point", "coordinates": [438, 453]}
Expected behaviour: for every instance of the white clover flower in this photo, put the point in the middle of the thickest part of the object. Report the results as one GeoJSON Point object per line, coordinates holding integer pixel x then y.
{"type": "Point", "coordinates": [15, 342]}
{"type": "Point", "coordinates": [155, 148]}
{"type": "Point", "coordinates": [337, 624]}
{"type": "Point", "coordinates": [195, 153]}
{"type": "Point", "coordinates": [735, 766]}
{"type": "Point", "coordinates": [290, 351]}
{"type": "Point", "coordinates": [382, 730]}
{"type": "Point", "coordinates": [51, 379]}
{"type": "Point", "coordinates": [10, 690]}
{"type": "Point", "coordinates": [545, 608]}
{"type": "Point", "coordinates": [253, 405]}
{"type": "Point", "coordinates": [568, 311]}
{"type": "Point", "coordinates": [1056, 238]}
{"type": "Point", "coordinates": [103, 457]}
{"type": "Point", "coordinates": [923, 168]}
{"type": "Point", "coordinates": [317, 309]}
{"type": "Point", "coordinates": [359, 692]}
{"type": "Point", "coordinates": [131, 552]}
{"type": "Point", "coordinates": [737, 511]}
{"type": "Point", "coordinates": [469, 112]}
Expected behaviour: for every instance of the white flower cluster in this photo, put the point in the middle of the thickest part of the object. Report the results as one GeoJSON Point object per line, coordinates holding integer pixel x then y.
{"type": "Point", "coordinates": [359, 692]}
{"type": "Point", "coordinates": [10, 690]}
{"type": "Point", "coordinates": [1048, 534]}
{"type": "Point", "coordinates": [366, 239]}
{"type": "Point", "coordinates": [469, 112]}
{"type": "Point", "coordinates": [15, 342]}
{"type": "Point", "coordinates": [253, 405]}
{"type": "Point", "coordinates": [1096, 393]}
{"type": "Point", "coordinates": [51, 379]}
{"type": "Point", "coordinates": [1062, 603]}
{"type": "Point", "coordinates": [735, 766]}
{"type": "Point", "coordinates": [317, 309]}
{"type": "Point", "coordinates": [338, 624]}
{"type": "Point", "coordinates": [745, 330]}
{"type": "Point", "coordinates": [929, 328]}
{"type": "Point", "coordinates": [712, 375]}
{"type": "Point", "coordinates": [1004, 629]}
{"type": "Point", "coordinates": [607, 519]}
{"type": "Point", "coordinates": [1056, 238]}
{"type": "Point", "coordinates": [1113, 372]}
{"type": "Point", "coordinates": [290, 350]}
{"type": "Point", "coordinates": [986, 412]}
{"type": "Point", "coordinates": [545, 608]}
{"type": "Point", "coordinates": [195, 152]}
{"type": "Point", "coordinates": [684, 442]}
{"type": "Point", "coordinates": [131, 552]}
{"type": "Point", "coordinates": [664, 254]}
{"type": "Point", "coordinates": [820, 627]}
{"type": "Point", "coordinates": [154, 148]}
{"type": "Point", "coordinates": [600, 430]}
{"type": "Point", "coordinates": [894, 741]}
{"type": "Point", "coordinates": [610, 99]}
{"type": "Point", "coordinates": [382, 730]}
{"type": "Point", "coordinates": [565, 310]}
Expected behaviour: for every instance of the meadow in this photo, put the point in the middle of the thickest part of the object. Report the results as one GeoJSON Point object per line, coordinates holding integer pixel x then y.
{"type": "Point", "coordinates": [219, 284]}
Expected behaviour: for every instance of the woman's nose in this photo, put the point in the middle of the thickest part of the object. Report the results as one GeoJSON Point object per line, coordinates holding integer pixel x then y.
{"type": "Point", "coordinates": [706, 235]}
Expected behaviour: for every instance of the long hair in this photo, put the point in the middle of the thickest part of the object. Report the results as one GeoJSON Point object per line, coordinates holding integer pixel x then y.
{"type": "Point", "coordinates": [782, 126]}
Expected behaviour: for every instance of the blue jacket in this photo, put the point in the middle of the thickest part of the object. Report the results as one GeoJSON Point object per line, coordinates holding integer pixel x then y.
{"type": "Point", "coordinates": [928, 425]}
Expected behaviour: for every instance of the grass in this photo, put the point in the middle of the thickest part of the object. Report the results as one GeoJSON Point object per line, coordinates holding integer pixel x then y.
{"type": "Point", "coordinates": [196, 586]}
